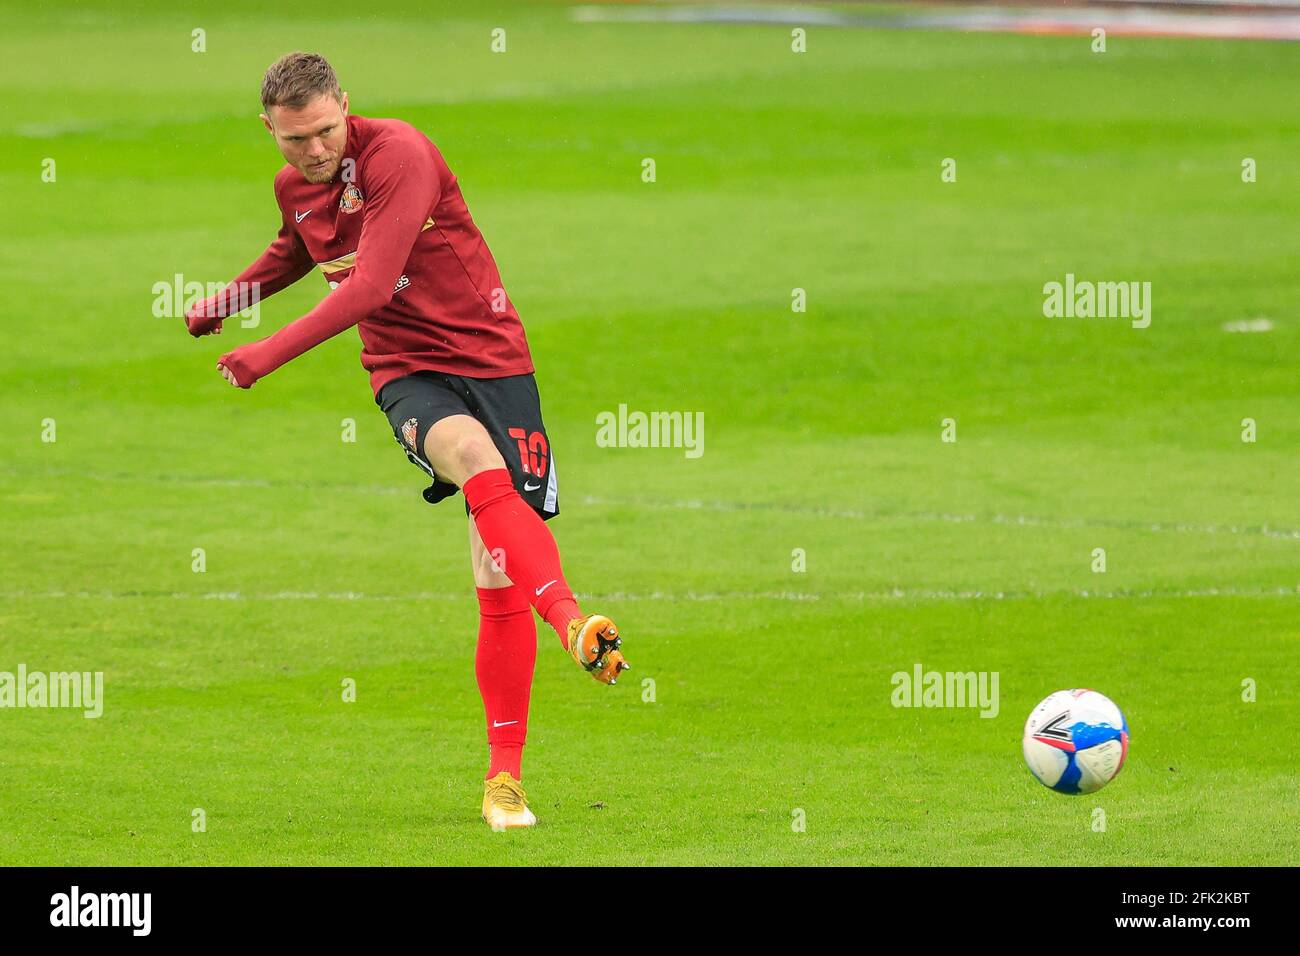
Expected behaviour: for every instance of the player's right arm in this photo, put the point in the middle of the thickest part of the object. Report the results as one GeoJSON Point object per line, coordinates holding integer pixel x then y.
{"type": "Point", "coordinates": [285, 261]}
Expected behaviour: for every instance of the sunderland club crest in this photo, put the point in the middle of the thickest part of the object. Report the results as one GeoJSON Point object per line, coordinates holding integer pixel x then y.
{"type": "Point", "coordinates": [351, 199]}
{"type": "Point", "coordinates": [410, 431]}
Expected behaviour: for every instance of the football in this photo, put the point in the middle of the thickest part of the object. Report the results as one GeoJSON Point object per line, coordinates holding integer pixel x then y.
{"type": "Point", "coordinates": [1075, 741]}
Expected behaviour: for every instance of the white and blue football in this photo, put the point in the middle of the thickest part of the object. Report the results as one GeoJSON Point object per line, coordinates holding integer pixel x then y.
{"type": "Point", "coordinates": [1076, 741]}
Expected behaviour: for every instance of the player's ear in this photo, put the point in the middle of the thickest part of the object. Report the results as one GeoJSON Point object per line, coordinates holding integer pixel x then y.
{"type": "Point", "coordinates": [344, 103]}
{"type": "Point", "coordinates": [266, 121]}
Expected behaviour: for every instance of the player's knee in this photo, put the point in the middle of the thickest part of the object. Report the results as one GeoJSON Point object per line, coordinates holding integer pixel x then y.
{"type": "Point", "coordinates": [474, 454]}
{"type": "Point", "coordinates": [459, 448]}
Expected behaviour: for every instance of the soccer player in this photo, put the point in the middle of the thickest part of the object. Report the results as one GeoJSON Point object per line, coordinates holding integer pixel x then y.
{"type": "Point", "coordinates": [372, 204]}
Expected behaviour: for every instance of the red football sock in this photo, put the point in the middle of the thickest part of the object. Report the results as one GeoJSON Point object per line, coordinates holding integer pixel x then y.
{"type": "Point", "coordinates": [507, 650]}
{"type": "Point", "coordinates": [522, 546]}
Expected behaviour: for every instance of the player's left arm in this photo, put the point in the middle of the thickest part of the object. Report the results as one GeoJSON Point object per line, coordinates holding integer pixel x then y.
{"type": "Point", "coordinates": [402, 188]}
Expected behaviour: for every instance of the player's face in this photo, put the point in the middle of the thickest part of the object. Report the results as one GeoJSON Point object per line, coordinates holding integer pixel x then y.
{"type": "Point", "coordinates": [312, 138]}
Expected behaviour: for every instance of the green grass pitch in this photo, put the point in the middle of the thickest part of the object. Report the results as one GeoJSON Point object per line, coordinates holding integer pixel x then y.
{"type": "Point", "coordinates": [775, 171]}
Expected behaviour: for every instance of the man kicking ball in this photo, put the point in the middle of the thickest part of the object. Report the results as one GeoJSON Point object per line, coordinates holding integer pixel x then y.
{"type": "Point", "coordinates": [373, 205]}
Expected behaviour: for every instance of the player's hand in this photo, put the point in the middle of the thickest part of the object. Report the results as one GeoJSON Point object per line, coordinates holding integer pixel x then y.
{"type": "Point", "coordinates": [243, 366]}
{"type": "Point", "coordinates": [202, 318]}
{"type": "Point", "coordinates": [227, 373]}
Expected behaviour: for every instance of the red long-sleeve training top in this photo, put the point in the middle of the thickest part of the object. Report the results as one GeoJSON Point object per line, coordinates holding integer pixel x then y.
{"type": "Point", "coordinates": [404, 261]}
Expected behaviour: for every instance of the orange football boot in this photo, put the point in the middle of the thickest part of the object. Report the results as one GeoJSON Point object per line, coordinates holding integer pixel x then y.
{"type": "Point", "coordinates": [594, 643]}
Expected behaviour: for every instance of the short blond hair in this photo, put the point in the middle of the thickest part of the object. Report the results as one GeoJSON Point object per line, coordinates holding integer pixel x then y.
{"type": "Point", "coordinates": [296, 79]}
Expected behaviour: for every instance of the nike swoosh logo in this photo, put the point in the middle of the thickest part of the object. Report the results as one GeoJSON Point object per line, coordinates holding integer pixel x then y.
{"type": "Point", "coordinates": [300, 216]}
{"type": "Point", "coordinates": [503, 723]}
{"type": "Point", "coordinates": [539, 591]}
{"type": "Point", "coordinates": [528, 487]}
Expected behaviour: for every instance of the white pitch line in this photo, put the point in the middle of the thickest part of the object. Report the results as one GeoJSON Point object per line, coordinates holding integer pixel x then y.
{"type": "Point", "coordinates": [1025, 521]}
{"type": "Point", "coordinates": [695, 504]}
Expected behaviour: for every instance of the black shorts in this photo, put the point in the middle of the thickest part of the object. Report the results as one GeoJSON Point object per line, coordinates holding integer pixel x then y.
{"type": "Point", "coordinates": [509, 408]}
